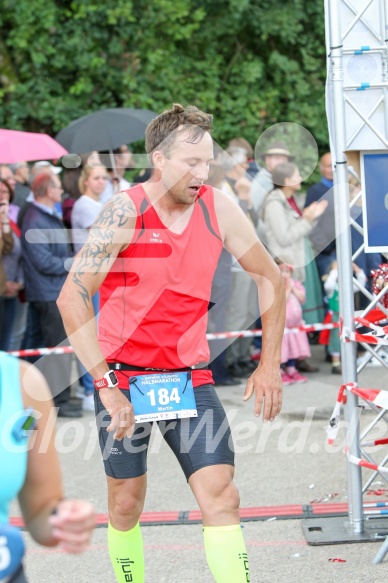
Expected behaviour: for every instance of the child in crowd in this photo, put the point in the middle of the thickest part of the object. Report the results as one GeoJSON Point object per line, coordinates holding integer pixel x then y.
{"type": "Point", "coordinates": [294, 345]}
{"type": "Point", "coordinates": [331, 290]}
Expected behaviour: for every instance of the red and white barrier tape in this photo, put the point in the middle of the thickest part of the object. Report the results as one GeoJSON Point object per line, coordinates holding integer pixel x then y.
{"type": "Point", "coordinates": [379, 334]}
{"type": "Point", "coordinates": [345, 334]}
{"type": "Point", "coordinates": [214, 336]}
{"type": "Point", "coordinates": [42, 351]}
{"type": "Point", "coordinates": [375, 442]}
{"type": "Point", "coordinates": [250, 333]}
{"type": "Point", "coordinates": [363, 463]}
{"type": "Point", "coordinates": [377, 397]}
{"type": "Point", "coordinates": [332, 428]}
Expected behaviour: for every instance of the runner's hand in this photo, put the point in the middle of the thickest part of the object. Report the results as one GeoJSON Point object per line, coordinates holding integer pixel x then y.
{"type": "Point", "coordinates": [73, 524]}
{"type": "Point", "coordinates": [121, 412]}
{"type": "Point", "coordinates": [266, 383]}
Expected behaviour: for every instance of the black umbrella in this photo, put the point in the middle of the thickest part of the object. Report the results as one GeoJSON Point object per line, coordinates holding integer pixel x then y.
{"type": "Point", "coordinates": [106, 129]}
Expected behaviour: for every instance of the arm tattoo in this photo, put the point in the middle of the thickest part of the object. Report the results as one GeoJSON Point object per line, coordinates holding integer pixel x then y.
{"type": "Point", "coordinates": [117, 212]}
{"type": "Point", "coordinates": [96, 252]}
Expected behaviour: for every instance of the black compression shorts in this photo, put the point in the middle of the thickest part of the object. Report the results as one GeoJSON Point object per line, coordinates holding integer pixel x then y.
{"type": "Point", "coordinates": [197, 442]}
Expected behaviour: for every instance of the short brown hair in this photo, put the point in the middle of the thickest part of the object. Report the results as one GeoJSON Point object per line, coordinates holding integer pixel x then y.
{"type": "Point", "coordinates": [41, 184]}
{"type": "Point", "coordinates": [162, 131]}
{"type": "Point", "coordinates": [281, 172]}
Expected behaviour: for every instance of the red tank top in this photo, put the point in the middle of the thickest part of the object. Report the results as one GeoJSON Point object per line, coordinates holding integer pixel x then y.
{"type": "Point", "coordinates": [155, 299]}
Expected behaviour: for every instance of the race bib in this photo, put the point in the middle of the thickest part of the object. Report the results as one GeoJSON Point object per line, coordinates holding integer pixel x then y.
{"type": "Point", "coordinates": [11, 550]}
{"type": "Point", "coordinates": [163, 396]}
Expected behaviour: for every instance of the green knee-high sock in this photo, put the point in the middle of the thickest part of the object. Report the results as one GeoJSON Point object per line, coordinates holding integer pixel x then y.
{"type": "Point", "coordinates": [126, 554]}
{"type": "Point", "coordinates": [226, 553]}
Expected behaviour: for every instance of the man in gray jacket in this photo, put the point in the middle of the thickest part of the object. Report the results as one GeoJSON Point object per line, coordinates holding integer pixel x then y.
{"type": "Point", "coordinates": [45, 250]}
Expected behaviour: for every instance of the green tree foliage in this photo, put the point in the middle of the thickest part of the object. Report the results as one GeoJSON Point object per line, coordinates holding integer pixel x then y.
{"type": "Point", "coordinates": [250, 62]}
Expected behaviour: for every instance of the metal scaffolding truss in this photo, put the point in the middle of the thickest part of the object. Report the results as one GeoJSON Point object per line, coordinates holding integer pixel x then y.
{"type": "Point", "coordinates": [381, 414]}
{"type": "Point", "coordinates": [365, 72]}
{"type": "Point", "coordinates": [357, 109]}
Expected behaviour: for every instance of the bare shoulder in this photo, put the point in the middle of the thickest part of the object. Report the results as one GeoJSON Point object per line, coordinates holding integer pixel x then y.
{"type": "Point", "coordinates": [117, 212]}
{"type": "Point", "coordinates": [222, 202]}
{"type": "Point", "coordinates": [109, 235]}
{"type": "Point", "coordinates": [231, 219]}
{"type": "Point", "coordinates": [227, 212]}
{"type": "Point", "coordinates": [112, 230]}
{"type": "Point", "coordinates": [34, 388]}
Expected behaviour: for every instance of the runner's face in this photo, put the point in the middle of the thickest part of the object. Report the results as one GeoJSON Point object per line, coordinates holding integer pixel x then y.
{"type": "Point", "coordinates": [187, 168]}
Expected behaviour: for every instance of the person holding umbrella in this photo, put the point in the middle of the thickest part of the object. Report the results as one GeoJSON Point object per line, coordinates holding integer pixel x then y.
{"type": "Point", "coordinates": [107, 131]}
{"type": "Point", "coordinates": [116, 181]}
{"type": "Point", "coordinates": [152, 252]}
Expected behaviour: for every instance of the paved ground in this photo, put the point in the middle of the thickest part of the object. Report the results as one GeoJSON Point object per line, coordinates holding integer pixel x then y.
{"type": "Point", "coordinates": [283, 463]}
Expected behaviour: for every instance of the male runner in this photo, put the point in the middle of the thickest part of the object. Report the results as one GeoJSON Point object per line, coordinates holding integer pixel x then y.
{"type": "Point", "coordinates": [152, 253]}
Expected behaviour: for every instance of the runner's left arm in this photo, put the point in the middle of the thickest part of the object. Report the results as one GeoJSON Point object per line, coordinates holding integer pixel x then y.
{"type": "Point", "coordinates": [241, 240]}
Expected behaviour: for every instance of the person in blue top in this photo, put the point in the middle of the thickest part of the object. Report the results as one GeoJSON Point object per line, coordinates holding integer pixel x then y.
{"type": "Point", "coordinates": [30, 471]}
{"type": "Point", "coordinates": [323, 235]}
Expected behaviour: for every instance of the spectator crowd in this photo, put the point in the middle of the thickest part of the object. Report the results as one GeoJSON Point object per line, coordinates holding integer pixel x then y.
{"type": "Point", "coordinates": [45, 214]}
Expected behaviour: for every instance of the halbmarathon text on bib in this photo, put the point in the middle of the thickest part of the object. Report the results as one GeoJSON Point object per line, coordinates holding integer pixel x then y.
{"type": "Point", "coordinates": [163, 396]}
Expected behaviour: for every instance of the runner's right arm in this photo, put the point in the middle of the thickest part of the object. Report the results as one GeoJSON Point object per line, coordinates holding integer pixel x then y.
{"type": "Point", "coordinates": [110, 234]}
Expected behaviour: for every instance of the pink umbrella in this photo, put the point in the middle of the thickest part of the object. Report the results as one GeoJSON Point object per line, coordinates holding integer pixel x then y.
{"type": "Point", "coordinates": [18, 146]}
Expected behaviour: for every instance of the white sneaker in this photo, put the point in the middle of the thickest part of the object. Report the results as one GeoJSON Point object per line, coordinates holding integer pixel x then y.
{"type": "Point", "coordinates": [88, 402]}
